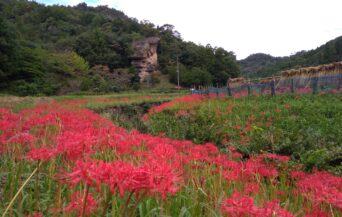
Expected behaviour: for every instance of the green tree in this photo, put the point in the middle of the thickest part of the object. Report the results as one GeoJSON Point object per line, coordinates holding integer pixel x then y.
{"type": "Point", "coordinates": [7, 50]}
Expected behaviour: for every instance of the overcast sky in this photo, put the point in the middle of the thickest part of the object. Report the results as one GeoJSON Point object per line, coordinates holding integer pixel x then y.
{"type": "Point", "coordinates": [276, 27]}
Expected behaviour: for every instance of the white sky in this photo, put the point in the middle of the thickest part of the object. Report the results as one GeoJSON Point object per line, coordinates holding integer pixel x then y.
{"type": "Point", "coordinates": [276, 27]}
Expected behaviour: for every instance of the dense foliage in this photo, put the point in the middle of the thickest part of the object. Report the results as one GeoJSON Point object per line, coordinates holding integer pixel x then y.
{"type": "Point", "coordinates": [262, 65]}
{"type": "Point", "coordinates": [306, 127]}
{"type": "Point", "coordinates": [35, 41]}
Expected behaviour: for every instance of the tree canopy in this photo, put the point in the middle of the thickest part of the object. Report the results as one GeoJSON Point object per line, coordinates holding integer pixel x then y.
{"type": "Point", "coordinates": [43, 47]}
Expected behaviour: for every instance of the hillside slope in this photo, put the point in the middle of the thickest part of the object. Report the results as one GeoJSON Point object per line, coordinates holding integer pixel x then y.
{"type": "Point", "coordinates": [263, 65]}
{"type": "Point", "coordinates": [58, 49]}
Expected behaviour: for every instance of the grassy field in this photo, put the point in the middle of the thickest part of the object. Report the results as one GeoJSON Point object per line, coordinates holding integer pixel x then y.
{"type": "Point", "coordinates": [95, 102]}
{"type": "Point", "coordinates": [60, 158]}
{"type": "Point", "coordinates": [306, 127]}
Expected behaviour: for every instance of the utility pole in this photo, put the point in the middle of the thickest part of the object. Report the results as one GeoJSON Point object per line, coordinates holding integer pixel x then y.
{"type": "Point", "coordinates": [178, 73]}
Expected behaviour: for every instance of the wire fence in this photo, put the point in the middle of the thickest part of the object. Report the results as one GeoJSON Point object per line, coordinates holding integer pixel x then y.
{"type": "Point", "coordinates": [278, 85]}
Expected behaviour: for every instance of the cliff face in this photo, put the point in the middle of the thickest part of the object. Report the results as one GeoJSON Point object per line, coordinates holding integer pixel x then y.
{"type": "Point", "coordinates": [145, 57]}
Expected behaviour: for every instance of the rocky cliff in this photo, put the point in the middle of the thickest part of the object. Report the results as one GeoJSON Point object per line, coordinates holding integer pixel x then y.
{"type": "Point", "coordinates": [145, 57]}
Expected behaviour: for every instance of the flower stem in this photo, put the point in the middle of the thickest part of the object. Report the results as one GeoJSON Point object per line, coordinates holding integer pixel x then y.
{"type": "Point", "coordinates": [20, 189]}
{"type": "Point", "coordinates": [85, 199]}
{"type": "Point", "coordinates": [127, 202]}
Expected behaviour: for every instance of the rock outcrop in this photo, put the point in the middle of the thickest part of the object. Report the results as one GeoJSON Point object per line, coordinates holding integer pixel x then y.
{"type": "Point", "coordinates": [145, 57]}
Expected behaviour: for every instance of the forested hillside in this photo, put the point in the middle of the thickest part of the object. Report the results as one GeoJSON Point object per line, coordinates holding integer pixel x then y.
{"type": "Point", "coordinates": [262, 65]}
{"type": "Point", "coordinates": [57, 49]}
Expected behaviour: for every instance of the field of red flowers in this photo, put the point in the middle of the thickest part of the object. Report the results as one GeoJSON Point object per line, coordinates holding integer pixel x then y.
{"type": "Point", "coordinates": [59, 159]}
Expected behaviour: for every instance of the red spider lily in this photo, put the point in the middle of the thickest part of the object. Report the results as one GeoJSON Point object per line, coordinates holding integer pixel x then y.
{"type": "Point", "coordinates": [36, 214]}
{"type": "Point", "coordinates": [21, 138]}
{"type": "Point", "coordinates": [203, 152]}
{"type": "Point", "coordinates": [243, 206]}
{"type": "Point", "coordinates": [8, 120]}
{"type": "Point", "coordinates": [297, 174]}
{"type": "Point", "coordinates": [153, 177]}
{"type": "Point", "coordinates": [274, 157]}
{"type": "Point", "coordinates": [322, 187]}
{"type": "Point", "coordinates": [211, 149]}
{"type": "Point", "coordinates": [287, 106]}
{"type": "Point", "coordinates": [163, 178]}
{"type": "Point", "coordinates": [193, 99]}
{"type": "Point", "coordinates": [239, 206]}
{"type": "Point", "coordinates": [163, 151]}
{"type": "Point", "coordinates": [272, 209]}
{"type": "Point", "coordinates": [231, 170]}
{"type": "Point", "coordinates": [181, 113]}
{"type": "Point", "coordinates": [82, 172]}
{"type": "Point", "coordinates": [121, 177]}
{"type": "Point", "coordinates": [77, 202]}
{"type": "Point", "coordinates": [256, 167]}
{"type": "Point", "coordinates": [317, 213]}
{"type": "Point", "coordinates": [75, 145]}
{"type": "Point", "coordinates": [251, 188]}
{"type": "Point", "coordinates": [42, 154]}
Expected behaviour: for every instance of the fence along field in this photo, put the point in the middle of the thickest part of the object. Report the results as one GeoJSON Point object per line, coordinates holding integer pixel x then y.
{"type": "Point", "coordinates": [323, 78]}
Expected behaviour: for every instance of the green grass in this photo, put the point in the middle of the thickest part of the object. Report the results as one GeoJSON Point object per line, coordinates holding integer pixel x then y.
{"type": "Point", "coordinates": [307, 127]}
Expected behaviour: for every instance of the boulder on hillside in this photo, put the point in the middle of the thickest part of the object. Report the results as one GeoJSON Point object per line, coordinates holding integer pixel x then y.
{"type": "Point", "coordinates": [145, 57]}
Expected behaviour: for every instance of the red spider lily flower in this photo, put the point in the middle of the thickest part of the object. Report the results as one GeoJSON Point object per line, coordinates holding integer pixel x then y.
{"type": "Point", "coordinates": [121, 177]}
{"type": "Point", "coordinates": [82, 172]}
{"type": "Point", "coordinates": [232, 149]}
{"type": "Point", "coordinates": [199, 152]}
{"type": "Point", "coordinates": [36, 214]}
{"type": "Point", "coordinates": [251, 188]}
{"type": "Point", "coordinates": [163, 178]}
{"type": "Point", "coordinates": [21, 138]}
{"type": "Point", "coordinates": [42, 154]}
{"type": "Point", "coordinates": [274, 157]}
{"type": "Point", "coordinates": [255, 166]}
{"type": "Point", "coordinates": [236, 127]}
{"type": "Point", "coordinates": [163, 151]}
{"type": "Point", "coordinates": [181, 113]}
{"type": "Point", "coordinates": [211, 149]}
{"type": "Point", "coordinates": [76, 204]}
{"type": "Point", "coordinates": [280, 193]}
{"type": "Point", "coordinates": [272, 209]}
{"type": "Point", "coordinates": [239, 206]}
{"type": "Point", "coordinates": [8, 120]}
{"type": "Point", "coordinates": [193, 99]}
{"type": "Point", "coordinates": [322, 187]}
{"type": "Point", "coordinates": [287, 106]}
{"type": "Point", "coordinates": [76, 144]}
{"type": "Point", "coordinates": [236, 155]}
{"type": "Point", "coordinates": [317, 213]}
{"type": "Point", "coordinates": [297, 174]}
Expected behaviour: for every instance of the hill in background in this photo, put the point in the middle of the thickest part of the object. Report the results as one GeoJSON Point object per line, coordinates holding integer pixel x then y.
{"type": "Point", "coordinates": [263, 65]}
{"type": "Point", "coordinates": [57, 49]}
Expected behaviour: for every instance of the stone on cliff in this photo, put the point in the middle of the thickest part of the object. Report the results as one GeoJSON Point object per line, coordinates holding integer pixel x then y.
{"type": "Point", "coordinates": [145, 57]}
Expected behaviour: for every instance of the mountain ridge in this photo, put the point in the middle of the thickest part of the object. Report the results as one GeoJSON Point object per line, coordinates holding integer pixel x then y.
{"type": "Point", "coordinates": [263, 65]}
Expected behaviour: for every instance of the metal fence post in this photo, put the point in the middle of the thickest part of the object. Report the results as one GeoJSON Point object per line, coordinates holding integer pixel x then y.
{"type": "Point", "coordinates": [229, 91]}
{"type": "Point", "coordinates": [292, 86]}
{"type": "Point", "coordinates": [249, 87]}
{"type": "Point", "coordinates": [314, 85]}
{"type": "Point", "coordinates": [273, 87]}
